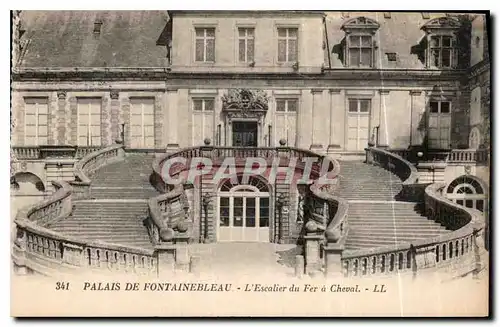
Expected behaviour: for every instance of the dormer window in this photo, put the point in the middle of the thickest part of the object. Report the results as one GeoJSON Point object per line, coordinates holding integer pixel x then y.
{"type": "Point", "coordinates": [359, 51]}
{"type": "Point", "coordinates": [441, 52]}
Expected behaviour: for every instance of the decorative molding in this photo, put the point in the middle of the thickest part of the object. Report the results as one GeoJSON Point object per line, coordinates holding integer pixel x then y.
{"type": "Point", "coordinates": [172, 89]}
{"type": "Point", "coordinates": [245, 104]}
{"type": "Point", "coordinates": [383, 92]}
{"type": "Point", "coordinates": [61, 95]}
{"type": "Point", "coordinates": [415, 92]}
{"type": "Point", "coordinates": [441, 23]}
{"type": "Point", "coordinates": [114, 94]}
{"type": "Point", "coordinates": [315, 91]}
{"type": "Point", "coordinates": [334, 91]}
{"type": "Point", "coordinates": [360, 23]}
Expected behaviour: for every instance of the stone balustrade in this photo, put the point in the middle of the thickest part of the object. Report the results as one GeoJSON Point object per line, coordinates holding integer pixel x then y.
{"type": "Point", "coordinates": [26, 152]}
{"type": "Point", "coordinates": [35, 152]}
{"type": "Point", "coordinates": [462, 244]}
{"type": "Point", "coordinates": [471, 156]}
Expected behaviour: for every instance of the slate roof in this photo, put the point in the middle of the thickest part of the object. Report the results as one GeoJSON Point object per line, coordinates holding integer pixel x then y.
{"type": "Point", "coordinates": [67, 39]}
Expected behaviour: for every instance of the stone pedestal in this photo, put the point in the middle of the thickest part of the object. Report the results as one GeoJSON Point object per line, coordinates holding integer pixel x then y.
{"type": "Point", "coordinates": [72, 254]}
{"type": "Point", "coordinates": [312, 252]}
{"type": "Point", "coordinates": [182, 252]}
{"type": "Point", "coordinates": [165, 252]}
{"type": "Point", "coordinates": [333, 254]}
{"type": "Point", "coordinates": [423, 258]}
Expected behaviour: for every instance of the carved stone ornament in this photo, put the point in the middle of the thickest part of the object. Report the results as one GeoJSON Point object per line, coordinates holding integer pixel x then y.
{"type": "Point", "coordinates": [442, 22]}
{"type": "Point", "coordinates": [245, 103]}
{"type": "Point", "coordinates": [360, 22]}
{"type": "Point", "coordinates": [114, 95]}
{"type": "Point", "coordinates": [61, 95]}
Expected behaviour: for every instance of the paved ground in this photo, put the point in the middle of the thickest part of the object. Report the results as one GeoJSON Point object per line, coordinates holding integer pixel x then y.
{"type": "Point", "coordinates": [246, 259]}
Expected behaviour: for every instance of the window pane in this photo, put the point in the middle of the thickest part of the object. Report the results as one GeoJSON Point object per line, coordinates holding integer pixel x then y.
{"type": "Point", "coordinates": [469, 203]}
{"type": "Point", "coordinates": [241, 51]}
{"type": "Point", "coordinates": [224, 212]}
{"type": "Point", "coordinates": [281, 32]}
{"type": "Point", "coordinates": [200, 32]}
{"type": "Point", "coordinates": [210, 50]}
{"type": "Point", "coordinates": [210, 32]}
{"type": "Point", "coordinates": [292, 50]}
{"type": "Point", "coordinates": [366, 41]}
{"type": "Point", "coordinates": [292, 32]}
{"type": "Point", "coordinates": [42, 130]}
{"type": "Point", "coordinates": [354, 57]}
{"type": "Point", "coordinates": [292, 105]}
{"type": "Point", "coordinates": [250, 212]}
{"type": "Point", "coordinates": [434, 106]}
{"type": "Point", "coordinates": [354, 41]}
{"type": "Point", "coordinates": [480, 205]}
{"type": "Point", "coordinates": [446, 41]}
{"type": "Point", "coordinates": [199, 50]}
{"type": "Point", "coordinates": [250, 32]}
{"type": "Point", "coordinates": [43, 108]}
{"type": "Point", "coordinates": [435, 41]}
{"type": "Point", "coordinates": [209, 105]}
{"type": "Point", "coordinates": [461, 202]}
{"type": "Point", "coordinates": [353, 105]}
{"type": "Point", "coordinates": [250, 48]}
{"type": "Point", "coordinates": [238, 212]}
{"type": "Point", "coordinates": [42, 140]}
{"type": "Point", "coordinates": [446, 61]}
{"type": "Point", "coordinates": [30, 119]}
{"type": "Point", "coordinates": [364, 105]}
{"type": "Point", "coordinates": [445, 107]}
{"type": "Point", "coordinates": [241, 32]}
{"type": "Point", "coordinates": [280, 105]}
{"type": "Point", "coordinates": [42, 119]}
{"type": "Point", "coordinates": [197, 105]}
{"type": "Point", "coordinates": [435, 61]}
{"type": "Point", "coordinates": [282, 50]}
{"type": "Point", "coordinates": [366, 57]}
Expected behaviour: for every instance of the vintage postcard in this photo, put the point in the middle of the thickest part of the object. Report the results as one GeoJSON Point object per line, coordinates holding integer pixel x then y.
{"type": "Point", "coordinates": [250, 163]}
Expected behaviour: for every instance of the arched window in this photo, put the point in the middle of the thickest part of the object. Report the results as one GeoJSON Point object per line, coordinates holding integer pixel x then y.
{"type": "Point", "coordinates": [467, 191]}
{"type": "Point", "coordinates": [244, 212]}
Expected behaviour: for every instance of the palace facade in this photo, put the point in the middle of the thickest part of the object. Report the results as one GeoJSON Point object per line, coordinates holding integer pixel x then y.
{"type": "Point", "coordinates": [335, 83]}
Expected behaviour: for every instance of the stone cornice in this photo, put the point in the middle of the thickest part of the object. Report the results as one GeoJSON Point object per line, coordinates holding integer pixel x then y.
{"type": "Point", "coordinates": [106, 74]}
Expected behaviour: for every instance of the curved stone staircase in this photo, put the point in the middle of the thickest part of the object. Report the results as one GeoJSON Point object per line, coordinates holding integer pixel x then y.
{"type": "Point", "coordinates": [376, 217]}
{"type": "Point", "coordinates": [117, 207]}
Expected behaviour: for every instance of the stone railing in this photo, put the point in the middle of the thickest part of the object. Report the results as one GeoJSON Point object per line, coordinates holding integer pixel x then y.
{"type": "Point", "coordinates": [47, 252]}
{"type": "Point", "coordinates": [411, 189]}
{"type": "Point", "coordinates": [56, 207]}
{"type": "Point", "coordinates": [85, 168]}
{"type": "Point", "coordinates": [453, 156]}
{"type": "Point", "coordinates": [461, 245]}
{"type": "Point", "coordinates": [35, 152]}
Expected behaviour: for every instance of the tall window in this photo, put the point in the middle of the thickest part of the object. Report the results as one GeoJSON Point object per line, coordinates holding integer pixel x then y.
{"type": "Point", "coordinates": [288, 44]}
{"type": "Point", "coordinates": [246, 44]}
{"type": "Point", "coordinates": [442, 49]}
{"type": "Point", "coordinates": [89, 121]}
{"type": "Point", "coordinates": [358, 124]}
{"type": "Point", "coordinates": [287, 105]}
{"type": "Point", "coordinates": [439, 124]}
{"type": "Point", "coordinates": [36, 121]}
{"type": "Point", "coordinates": [200, 104]}
{"type": "Point", "coordinates": [205, 44]}
{"type": "Point", "coordinates": [142, 123]}
{"type": "Point", "coordinates": [360, 50]}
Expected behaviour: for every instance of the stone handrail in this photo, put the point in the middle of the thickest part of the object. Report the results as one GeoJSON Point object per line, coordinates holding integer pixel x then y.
{"type": "Point", "coordinates": [453, 156]}
{"type": "Point", "coordinates": [56, 207]}
{"type": "Point", "coordinates": [26, 152]}
{"type": "Point", "coordinates": [466, 225]}
{"type": "Point", "coordinates": [89, 164]}
{"type": "Point", "coordinates": [411, 189]}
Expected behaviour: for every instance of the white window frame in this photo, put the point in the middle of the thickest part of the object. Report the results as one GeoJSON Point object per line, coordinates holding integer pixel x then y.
{"type": "Point", "coordinates": [203, 104]}
{"type": "Point", "coordinates": [287, 99]}
{"type": "Point", "coordinates": [143, 131]}
{"type": "Point", "coordinates": [37, 101]}
{"type": "Point", "coordinates": [245, 38]}
{"type": "Point", "coordinates": [89, 124]}
{"type": "Point", "coordinates": [360, 47]}
{"type": "Point", "coordinates": [439, 115]}
{"type": "Point", "coordinates": [287, 38]}
{"type": "Point", "coordinates": [452, 49]}
{"type": "Point", "coordinates": [205, 38]}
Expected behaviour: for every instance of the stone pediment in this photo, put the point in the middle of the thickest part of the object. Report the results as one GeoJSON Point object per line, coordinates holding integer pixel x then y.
{"type": "Point", "coordinates": [441, 23]}
{"type": "Point", "coordinates": [360, 23]}
{"type": "Point", "coordinates": [245, 103]}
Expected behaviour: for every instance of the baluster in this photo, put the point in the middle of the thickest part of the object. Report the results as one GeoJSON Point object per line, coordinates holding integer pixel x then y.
{"type": "Point", "coordinates": [392, 260]}
{"type": "Point", "coordinates": [383, 264]}
{"type": "Point", "coordinates": [400, 261]}
{"type": "Point", "coordinates": [346, 268]}
{"type": "Point", "coordinates": [123, 262]}
{"type": "Point", "coordinates": [456, 248]}
{"type": "Point", "coordinates": [364, 266]}
{"type": "Point", "coordinates": [450, 249]}
{"type": "Point", "coordinates": [52, 249]}
{"type": "Point", "coordinates": [355, 267]}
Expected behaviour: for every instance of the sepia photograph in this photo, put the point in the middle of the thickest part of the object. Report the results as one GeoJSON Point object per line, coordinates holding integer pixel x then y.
{"type": "Point", "coordinates": [259, 163]}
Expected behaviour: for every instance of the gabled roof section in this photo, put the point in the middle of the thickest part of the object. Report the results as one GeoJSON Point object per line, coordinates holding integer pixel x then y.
{"type": "Point", "coordinates": [360, 23]}
{"type": "Point", "coordinates": [57, 39]}
{"type": "Point", "coordinates": [441, 23]}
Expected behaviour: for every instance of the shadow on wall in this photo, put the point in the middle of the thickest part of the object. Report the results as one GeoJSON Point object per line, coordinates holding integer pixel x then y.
{"type": "Point", "coordinates": [27, 183]}
{"type": "Point", "coordinates": [338, 49]}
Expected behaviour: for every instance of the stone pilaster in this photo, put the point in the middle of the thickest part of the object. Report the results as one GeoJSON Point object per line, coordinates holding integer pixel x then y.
{"type": "Point", "coordinates": [383, 131]}
{"type": "Point", "coordinates": [158, 125]}
{"type": "Point", "coordinates": [337, 115]}
{"type": "Point", "coordinates": [125, 101]}
{"type": "Point", "coordinates": [105, 121]}
{"type": "Point", "coordinates": [418, 124]}
{"type": "Point", "coordinates": [61, 117]}
{"type": "Point", "coordinates": [73, 108]}
{"type": "Point", "coordinates": [316, 119]}
{"type": "Point", "coordinates": [115, 115]}
{"type": "Point", "coordinates": [172, 119]}
{"type": "Point", "coordinates": [52, 107]}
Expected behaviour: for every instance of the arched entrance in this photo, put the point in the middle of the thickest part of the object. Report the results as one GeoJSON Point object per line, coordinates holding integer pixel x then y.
{"type": "Point", "coordinates": [467, 191]}
{"type": "Point", "coordinates": [243, 211]}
